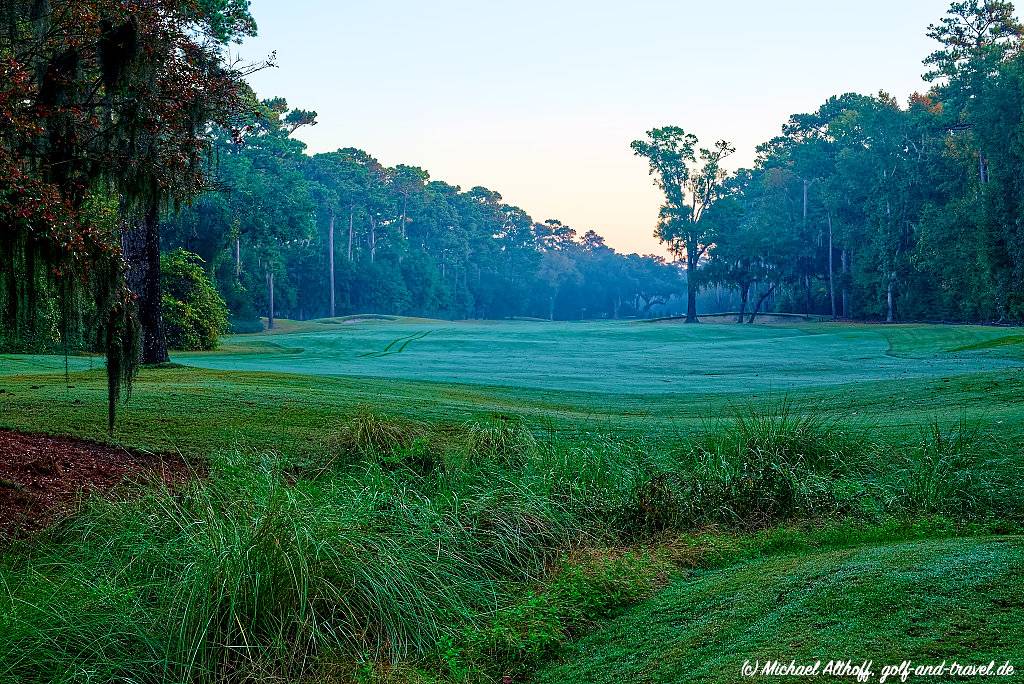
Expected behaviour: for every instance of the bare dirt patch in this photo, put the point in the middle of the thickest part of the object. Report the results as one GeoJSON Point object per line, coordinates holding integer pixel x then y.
{"type": "Point", "coordinates": [43, 478]}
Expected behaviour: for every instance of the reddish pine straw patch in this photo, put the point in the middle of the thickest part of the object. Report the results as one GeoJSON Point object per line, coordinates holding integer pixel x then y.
{"type": "Point", "coordinates": [43, 478]}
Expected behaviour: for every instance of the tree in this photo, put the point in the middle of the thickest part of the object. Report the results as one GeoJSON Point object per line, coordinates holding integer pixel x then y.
{"type": "Point", "coordinates": [555, 271]}
{"type": "Point", "coordinates": [690, 190]}
{"type": "Point", "coordinates": [105, 106]}
{"type": "Point", "coordinates": [975, 35]}
{"type": "Point", "coordinates": [260, 213]}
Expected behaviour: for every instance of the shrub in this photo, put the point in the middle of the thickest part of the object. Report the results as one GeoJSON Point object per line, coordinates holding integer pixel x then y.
{"type": "Point", "coordinates": [195, 315]}
{"type": "Point", "coordinates": [503, 438]}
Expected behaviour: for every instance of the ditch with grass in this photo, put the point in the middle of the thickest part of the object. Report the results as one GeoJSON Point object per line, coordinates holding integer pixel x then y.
{"type": "Point", "coordinates": [403, 501]}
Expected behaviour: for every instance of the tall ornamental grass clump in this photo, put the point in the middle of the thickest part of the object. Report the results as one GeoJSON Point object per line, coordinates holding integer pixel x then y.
{"type": "Point", "coordinates": [962, 471]}
{"type": "Point", "coordinates": [260, 570]}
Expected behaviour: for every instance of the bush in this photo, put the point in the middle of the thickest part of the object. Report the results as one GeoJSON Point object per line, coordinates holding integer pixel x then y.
{"type": "Point", "coordinates": [195, 315]}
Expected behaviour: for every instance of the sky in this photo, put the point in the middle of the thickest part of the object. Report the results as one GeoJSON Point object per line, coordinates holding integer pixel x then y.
{"type": "Point", "coordinates": [539, 100]}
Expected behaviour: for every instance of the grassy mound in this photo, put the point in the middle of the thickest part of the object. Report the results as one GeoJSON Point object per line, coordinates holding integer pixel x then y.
{"type": "Point", "coordinates": [926, 602]}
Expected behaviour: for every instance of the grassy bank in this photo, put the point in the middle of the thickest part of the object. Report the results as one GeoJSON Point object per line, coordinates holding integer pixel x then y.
{"type": "Point", "coordinates": [927, 602]}
{"type": "Point", "coordinates": [454, 552]}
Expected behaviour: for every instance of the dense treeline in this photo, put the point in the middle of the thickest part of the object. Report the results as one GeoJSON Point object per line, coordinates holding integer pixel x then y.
{"type": "Point", "coordinates": [867, 209]}
{"type": "Point", "coordinates": [863, 209]}
{"type": "Point", "coordinates": [339, 233]}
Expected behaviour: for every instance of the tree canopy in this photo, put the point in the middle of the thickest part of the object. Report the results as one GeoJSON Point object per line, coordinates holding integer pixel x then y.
{"type": "Point", "coordinates": [868, 208]}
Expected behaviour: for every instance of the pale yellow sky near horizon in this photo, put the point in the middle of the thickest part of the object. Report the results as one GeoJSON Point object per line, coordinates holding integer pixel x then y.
{"type": "Point", "coordinates": [540, 100]}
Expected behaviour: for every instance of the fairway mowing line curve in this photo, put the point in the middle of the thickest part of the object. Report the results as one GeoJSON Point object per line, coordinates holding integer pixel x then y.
{"type": "Point", "coordinates": [402, 343]}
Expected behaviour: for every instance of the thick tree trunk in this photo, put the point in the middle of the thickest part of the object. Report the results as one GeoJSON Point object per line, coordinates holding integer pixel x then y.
{"type": "Point", "coordinates": [831, 279]}
{"type": "Point", "coordinates": [330, 259]}
{"type": "Point", "coordinates": [760, 303]}
{"type": "Point", "coordinates": [31, 292]}
{"type": "Point", "coordinates": [270, 291]}
{"type": "Point", "coordinates": [744, 297]}
{"type": "Point", "coordinates": [691, 282]}
{"type": "Point", "coordinates": [140, 244]}
{"type": "Point", "coordinates": [11, 313]}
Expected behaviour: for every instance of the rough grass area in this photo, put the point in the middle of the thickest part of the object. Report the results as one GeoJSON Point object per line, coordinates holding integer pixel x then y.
{"type": "Point", "coordinates": [447, 551]}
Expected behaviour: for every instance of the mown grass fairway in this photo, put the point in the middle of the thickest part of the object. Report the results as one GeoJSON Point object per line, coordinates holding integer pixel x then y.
{"type": "Point", "coordinates": [621, 358]}
{"type": "Point", "coordinates": [285, 387]}
{"type": "Point", "coordinates": [401, 501]}
{"type": "Point", "coordinates": [889, 603]}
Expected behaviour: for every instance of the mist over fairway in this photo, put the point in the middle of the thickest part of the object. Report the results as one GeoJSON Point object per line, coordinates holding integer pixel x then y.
{"type": "Point", "coordinates": [618, 357]}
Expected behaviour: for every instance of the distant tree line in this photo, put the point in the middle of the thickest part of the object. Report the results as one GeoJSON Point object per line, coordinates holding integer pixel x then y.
{"type": "Point", "coordinates": [286, 234]}
{"type": "Point", "coordinates": [867, 209]}
{"type": "Point", "coordinates": [863, 209]}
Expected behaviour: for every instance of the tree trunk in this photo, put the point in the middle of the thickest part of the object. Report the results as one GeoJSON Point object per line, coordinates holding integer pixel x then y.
{"type": "Point", "coordinates": [351, 223]}
{"type": "Point", "coordinates": [890, 296]}
{"type": "Point", "coordinates": [806, 185]}
{"type": "Point", "coordinates": [140, 243]}
{"type": "Point", "coordinates": [760, 303]}
{"type": "Point", "coordinates": [744, 296]}
{"type": "Point", "coordinates": [31, 292]}
{"type": "Point", "coordinates": [405, 208]}
{"type": "Point", "coordinates": [691, 282]}
{"type": "Point", "coordinates": [330, 259]}
{"type": "Point", "coordinates": [238, 257]}
{"type": "Point", "coordinates": [831, 279]}
{"type": "Point", "coordinates": [551, 308]}
{"type": "Point", "coordinates": [270, 289]}
{"type": "Point", "coordinates": [845, 258]}
{"type": "Point", "coordinates": [373, 239]}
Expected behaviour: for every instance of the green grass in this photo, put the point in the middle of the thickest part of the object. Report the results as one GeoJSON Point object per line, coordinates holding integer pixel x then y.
{"type": "Point", "coordinates": [422, 501]}
{"type": "Point", "coordinates": [634, 358]}
{"type": "Point", "coordinates": [280, 390]}
{"type": "Point", "coordinates": [925, 601]}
